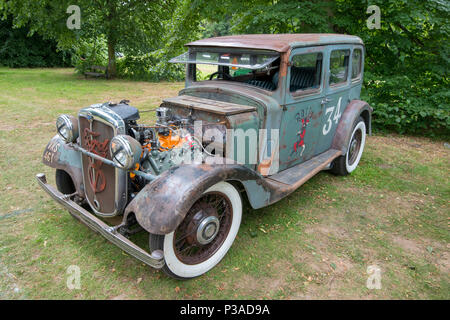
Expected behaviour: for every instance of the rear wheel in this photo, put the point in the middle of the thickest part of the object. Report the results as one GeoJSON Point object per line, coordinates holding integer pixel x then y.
{"type": "Point", "coordinates": [347, 163]}
{"type": "Point", "coordinates": [204, 236]}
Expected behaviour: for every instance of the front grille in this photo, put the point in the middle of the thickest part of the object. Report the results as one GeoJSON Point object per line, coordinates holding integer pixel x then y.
{"type": "Point", "coordinates": [99, 178]}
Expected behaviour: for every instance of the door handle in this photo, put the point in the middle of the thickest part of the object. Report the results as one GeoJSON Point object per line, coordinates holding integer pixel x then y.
{"type": "Point", "coordinates": [325, 100]}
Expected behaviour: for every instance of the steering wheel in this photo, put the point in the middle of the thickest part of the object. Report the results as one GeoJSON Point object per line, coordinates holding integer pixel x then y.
{"type": "Point", "coordinates": [225, 75]}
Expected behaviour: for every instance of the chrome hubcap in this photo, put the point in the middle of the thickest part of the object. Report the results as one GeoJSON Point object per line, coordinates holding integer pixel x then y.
{"type": "Point", "coordinates": [204, 229]}
{"type": "Point", "coordinates": [208, 229]}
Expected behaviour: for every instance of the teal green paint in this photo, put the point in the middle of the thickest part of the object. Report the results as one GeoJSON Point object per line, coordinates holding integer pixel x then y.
{"type": "Point", "coordinates": [70, 157]}
{"type": "Point", "coordinates": [257, 195]}
{"type": "Point", "coordinates": [67, 155]}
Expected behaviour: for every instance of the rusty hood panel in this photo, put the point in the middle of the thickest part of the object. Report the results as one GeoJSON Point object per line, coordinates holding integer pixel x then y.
{"type": "Point", "coordinates": [231, 93]}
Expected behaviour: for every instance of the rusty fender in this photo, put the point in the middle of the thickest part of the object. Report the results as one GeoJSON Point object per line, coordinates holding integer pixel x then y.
{"type": "Point", "coordinates": [60, 155]}
{"type": "Point", "coordinates": [354, 109]}
{"type": "Point", "coordinates": [162, 204]}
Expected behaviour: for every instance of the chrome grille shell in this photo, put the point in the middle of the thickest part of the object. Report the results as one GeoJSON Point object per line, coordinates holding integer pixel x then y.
{"type": "Point", "coordinates": [99, 115]}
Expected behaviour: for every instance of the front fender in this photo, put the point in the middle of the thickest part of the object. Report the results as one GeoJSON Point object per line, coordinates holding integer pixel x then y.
{"type": "Point", "coordinates": [60, 155]}
{"type": "Point", "coordinates": [162, 204]}
{"type": "Point", "coordinates": [354, 109]}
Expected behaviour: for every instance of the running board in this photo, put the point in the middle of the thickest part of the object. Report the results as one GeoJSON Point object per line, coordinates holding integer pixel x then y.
{"type": "Point", "coordinates": [295, 176]}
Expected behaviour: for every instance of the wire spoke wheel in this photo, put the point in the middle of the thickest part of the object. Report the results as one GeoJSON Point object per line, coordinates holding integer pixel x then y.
{"type": "Point", "coordinates": [204, 236]}
{"type": "Point", "coordinates": [204, 228]}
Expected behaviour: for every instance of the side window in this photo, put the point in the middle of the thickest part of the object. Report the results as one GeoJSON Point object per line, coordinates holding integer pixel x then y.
{"type": "Point", "coordinates": [306, 71]}
{"type": "Point", "coordinates": [356, 63]}
{"type": "Point", "coordinates": [339, 66]}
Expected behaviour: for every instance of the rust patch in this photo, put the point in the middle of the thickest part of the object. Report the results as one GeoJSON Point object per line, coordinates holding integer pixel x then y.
{"type": "Point", "coordinates": [275, 42]}
{"type": "Point", "coordinates": [96, 176]}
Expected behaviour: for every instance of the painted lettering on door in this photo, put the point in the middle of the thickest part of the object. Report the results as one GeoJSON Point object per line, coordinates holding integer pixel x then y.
{"type": "Point", "coordinates": [299, 145]}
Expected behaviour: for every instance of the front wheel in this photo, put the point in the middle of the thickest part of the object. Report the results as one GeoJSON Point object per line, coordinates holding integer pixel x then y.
{"type": "Point", "coordinates": [347, 163]}
{"type": "Point", "coordinates": [204, 236]}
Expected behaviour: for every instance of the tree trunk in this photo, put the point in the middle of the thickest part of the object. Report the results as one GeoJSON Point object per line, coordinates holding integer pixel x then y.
{"type": "Point", "coordinates": [111, 36]}
{"type": "Point", "coordinates": [112, 71]}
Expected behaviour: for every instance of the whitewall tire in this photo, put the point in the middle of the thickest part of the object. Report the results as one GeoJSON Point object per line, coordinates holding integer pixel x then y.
{"type": "Point", "coordinates": [351, 164]}
{"type": "Point", "coordinates": [347, 163]}
{"type": "Point", "coordinates": [206, 234]}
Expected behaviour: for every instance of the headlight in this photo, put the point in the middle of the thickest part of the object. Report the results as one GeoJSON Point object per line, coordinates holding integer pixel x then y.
{"type": "Point", "coordinates": [67, 127]}
{"type": "Point", "coordinates": [125, 151]}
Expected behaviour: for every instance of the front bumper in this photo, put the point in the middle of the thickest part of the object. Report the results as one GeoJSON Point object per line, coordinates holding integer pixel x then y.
{"type": "Point", "coordinates": [155, 259]}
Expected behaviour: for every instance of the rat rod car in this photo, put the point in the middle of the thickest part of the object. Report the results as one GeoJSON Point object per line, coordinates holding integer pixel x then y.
{"type": "Point", "coordinates": [275, 110]}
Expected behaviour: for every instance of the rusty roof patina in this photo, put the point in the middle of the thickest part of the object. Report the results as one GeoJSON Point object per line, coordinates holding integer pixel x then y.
{"type": "Point", "coordinates": [276, 42]}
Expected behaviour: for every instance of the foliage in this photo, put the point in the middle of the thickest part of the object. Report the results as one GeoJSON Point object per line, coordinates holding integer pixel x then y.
{"type": "Point", "coordinates": [89, 53]}
{"type": "Point", "coordinates": [151, 67]}
{"type": "Point", "coordinates": [18, 50]}
{"type": "Point", "coordinates": [130, 27]}
{"type": "Point", "coordinates": [211, 29]}
{"type": "Point", "coordinates": [179, 29]}
{"type": "Point", "coordinates": [263, 16]}
{"type": "Point", "coordinates": [404, 106]}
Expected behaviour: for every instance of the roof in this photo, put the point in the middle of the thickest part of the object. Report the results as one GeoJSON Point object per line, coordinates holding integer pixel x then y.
{"type": "Point", "coordinates": [276, 42]}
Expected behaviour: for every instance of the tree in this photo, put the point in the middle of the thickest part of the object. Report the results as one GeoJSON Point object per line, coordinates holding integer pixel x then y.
{"type": "Point", "coordinates": [17, 50]}
{"type": "Point", "coordinates": [129, 26]}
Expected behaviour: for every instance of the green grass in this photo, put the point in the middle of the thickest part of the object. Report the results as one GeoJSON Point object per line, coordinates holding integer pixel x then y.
{"type": "Point", "coordinates": [393, 212]}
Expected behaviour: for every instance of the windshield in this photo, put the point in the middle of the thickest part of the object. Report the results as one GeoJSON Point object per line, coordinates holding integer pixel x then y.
{"type": "Point", "coordinates": [231, 58]}
{"type": "Point", "coordinates": [253, 67]}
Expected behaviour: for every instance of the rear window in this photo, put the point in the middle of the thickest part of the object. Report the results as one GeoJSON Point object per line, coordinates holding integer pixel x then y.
{"type": "Point", "coordinates": [356, 63]}
{"type": "Point", "coordinates": [339, 66]}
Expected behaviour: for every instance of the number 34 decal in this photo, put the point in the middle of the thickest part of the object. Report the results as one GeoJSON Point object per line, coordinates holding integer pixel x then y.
{"type": "Point", "coordinates": [331, 112]}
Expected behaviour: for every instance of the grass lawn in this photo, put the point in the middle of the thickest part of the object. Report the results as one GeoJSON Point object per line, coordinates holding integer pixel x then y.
{"type": "Point", "coordinates": [392, 212]}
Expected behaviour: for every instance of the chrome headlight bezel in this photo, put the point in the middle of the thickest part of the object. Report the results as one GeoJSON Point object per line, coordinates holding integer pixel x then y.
{"type": "Point", "coordinates": [67, 127]}
{"type": "Point", "coordinates": [125, 151]}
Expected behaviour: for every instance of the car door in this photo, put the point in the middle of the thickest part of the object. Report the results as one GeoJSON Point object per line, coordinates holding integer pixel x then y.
{"type": "Point", "coordinates": [336, 97]}
{"type": "Point", "coordinates": [302, 113]}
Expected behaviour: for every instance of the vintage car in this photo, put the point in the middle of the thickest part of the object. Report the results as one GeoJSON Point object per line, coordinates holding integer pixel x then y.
{"type": "Point", "coordinates": [274, 111]}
